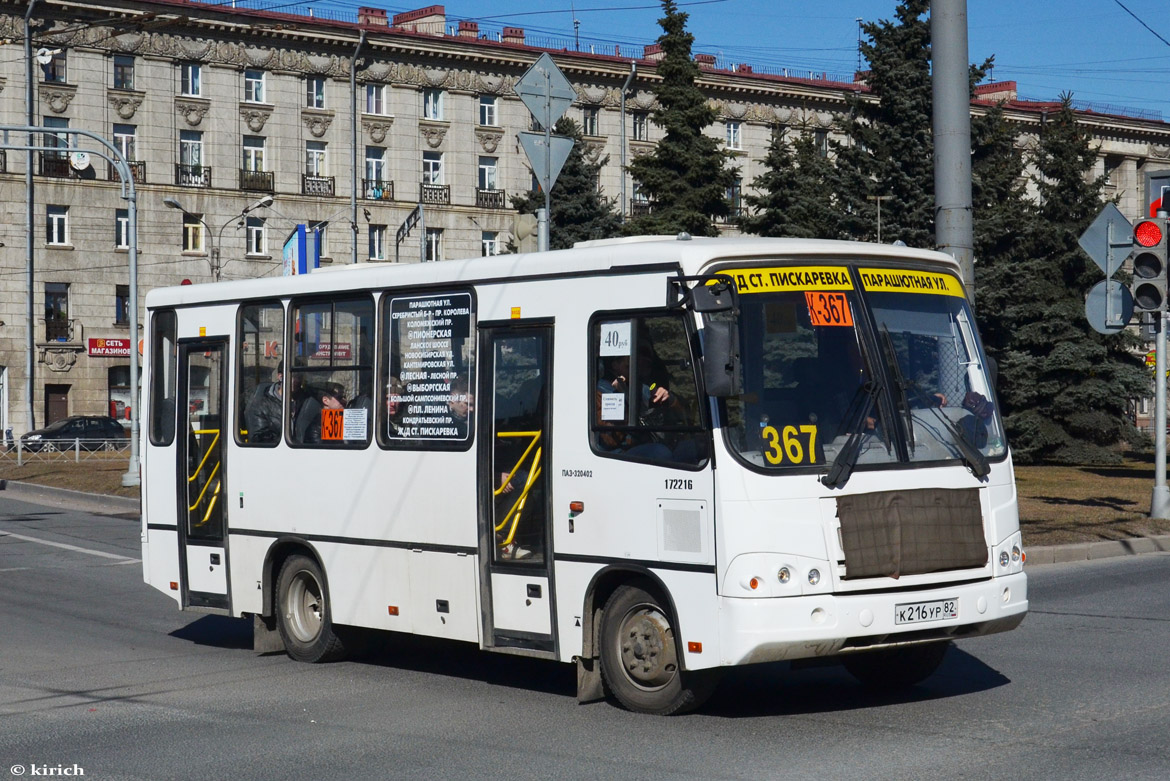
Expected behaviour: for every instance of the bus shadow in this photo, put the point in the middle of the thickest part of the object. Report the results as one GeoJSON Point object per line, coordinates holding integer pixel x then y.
{"type": "Point", "coordinates": [781, 689]}
{"type": "Point", "coordinates": [217, 632]}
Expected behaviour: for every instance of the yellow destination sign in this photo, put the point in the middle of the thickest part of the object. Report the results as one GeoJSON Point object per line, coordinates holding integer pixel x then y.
{"type": "Point", "coordinates": [790, 278]}
{"type": "Point", "coordinates": [884, 280]}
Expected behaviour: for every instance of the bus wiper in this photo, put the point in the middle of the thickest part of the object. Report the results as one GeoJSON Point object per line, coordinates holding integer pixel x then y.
{"type": "Point", "coordinates": [859, 409]}
{"type": "Point", "coordinates": [899, 380]}
{"type": "Point", "coordinates": [971, 454]}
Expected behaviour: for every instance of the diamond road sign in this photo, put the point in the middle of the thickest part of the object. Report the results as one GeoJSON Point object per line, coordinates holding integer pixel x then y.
{"type": "Point", "coordinates": [546, 162]}
{"type": "Point", "coordinates": [545, 91]}
{"type": "Point", "coordinates": [1109, 240]}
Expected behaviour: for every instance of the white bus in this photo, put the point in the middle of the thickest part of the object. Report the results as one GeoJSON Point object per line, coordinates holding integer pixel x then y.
{"type": "Point", "coordinates": [653, 457]}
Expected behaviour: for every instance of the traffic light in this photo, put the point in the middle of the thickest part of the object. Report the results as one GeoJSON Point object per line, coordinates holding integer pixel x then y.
{"type": "Point", "coordinates": [1149, 266]}
{"type": "Point", "coordinates": [524, 232]}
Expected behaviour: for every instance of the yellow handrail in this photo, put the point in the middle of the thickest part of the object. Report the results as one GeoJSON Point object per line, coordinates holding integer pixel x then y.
{"type": "Point", "coordinates": [210, 478]}
{"type": "Point", "coordinates": [515, 511]}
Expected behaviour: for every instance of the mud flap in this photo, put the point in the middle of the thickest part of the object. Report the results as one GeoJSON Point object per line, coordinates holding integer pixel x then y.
{"type": "Point", "coordinates": [265, 637]}
{"type": "Point", "coordinates": [589, 685]}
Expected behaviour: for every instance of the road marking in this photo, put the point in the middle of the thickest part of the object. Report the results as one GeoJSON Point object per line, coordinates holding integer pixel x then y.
{"type": "Point", "coordinates": [65, 546]}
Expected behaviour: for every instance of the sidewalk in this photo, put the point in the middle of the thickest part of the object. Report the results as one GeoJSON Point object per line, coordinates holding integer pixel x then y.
{"type": "Point", "coordinates": [1046, 554]}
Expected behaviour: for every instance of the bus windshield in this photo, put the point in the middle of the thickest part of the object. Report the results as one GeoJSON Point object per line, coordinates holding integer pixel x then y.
{"type": "Point", "coordinates": [839, 362]}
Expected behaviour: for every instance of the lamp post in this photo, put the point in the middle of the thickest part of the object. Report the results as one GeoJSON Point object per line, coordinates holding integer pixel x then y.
{"type": "Point", "coordinates": [879, 199]}
{"type": "Point", "coordinates": [216, 267]}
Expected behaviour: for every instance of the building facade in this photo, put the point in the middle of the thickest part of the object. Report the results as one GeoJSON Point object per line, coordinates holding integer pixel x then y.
{"type": "Point", "coordinates": [240, 125]}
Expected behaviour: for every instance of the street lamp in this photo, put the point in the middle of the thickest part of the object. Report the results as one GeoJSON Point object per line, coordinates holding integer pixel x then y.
{"type": "Point", "coordinates": [264, 202]}
{"type": "Point", "coordinates": [879, 199]}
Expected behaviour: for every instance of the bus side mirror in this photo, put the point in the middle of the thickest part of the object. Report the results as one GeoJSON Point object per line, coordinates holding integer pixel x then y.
{"type": "Point", "coordinates": [722, 373]}
{"type": "Point", "coordinates": [711, 294]}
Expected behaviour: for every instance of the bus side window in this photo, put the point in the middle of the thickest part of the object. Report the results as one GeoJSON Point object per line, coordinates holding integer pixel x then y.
{"type": "Point", "coordinates": [645, 398]}
{"type": "Point", "coordinates": [164, 367]}
{"type": "Point", "coordinates": [331, 373]}
{"type": "Point", "coordinates": [260, 379]}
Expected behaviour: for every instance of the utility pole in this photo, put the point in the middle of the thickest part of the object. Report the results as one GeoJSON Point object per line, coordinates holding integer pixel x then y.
{"type": "Point", "coordinates": [30, 327]}
{"type": "Point", "coordinates": [879, 199]}
{"type": "Point", "coordinates": [953, 226]}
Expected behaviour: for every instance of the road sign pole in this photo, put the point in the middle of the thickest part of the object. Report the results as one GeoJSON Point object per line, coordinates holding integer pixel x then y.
{"type": "Point", "coordinates": [1160, 501]}
{"type": "Point", "coordinates": [544, 227]}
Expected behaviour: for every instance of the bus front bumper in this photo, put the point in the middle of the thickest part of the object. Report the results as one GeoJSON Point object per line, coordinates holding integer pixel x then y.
{"type": "Point", "coordinates": [781, 628]}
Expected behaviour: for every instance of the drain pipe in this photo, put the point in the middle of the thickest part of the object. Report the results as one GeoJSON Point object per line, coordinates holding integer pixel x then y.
{"type": "Point", "coordinates": [30, 334]}
{"type": "Point", "coordinates": [625, 88]}
{"type": "Point", "coordinates": [353, 223]}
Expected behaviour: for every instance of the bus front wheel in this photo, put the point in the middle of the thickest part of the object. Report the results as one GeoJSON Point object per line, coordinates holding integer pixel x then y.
{"type": "Point", "coordinates": [639, 657]}
{"type": "Point", "coordinates": [895, 668]}
{"type": "Point", "coordinates": [305, 619]}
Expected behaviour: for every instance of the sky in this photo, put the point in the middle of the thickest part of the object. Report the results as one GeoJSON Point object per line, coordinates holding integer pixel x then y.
{"type": "Point", "coordinates": [1095, 49]}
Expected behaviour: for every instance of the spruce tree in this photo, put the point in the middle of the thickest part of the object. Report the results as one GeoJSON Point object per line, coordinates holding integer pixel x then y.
{"type": "Point", "coordinates": [795, 196]}
{"type": "Point", "coordinates": [1063, 386]}
{"type": "Point", "coordinates": [579, 211]}
{"type": "Point", "coordinates": [686, 177]}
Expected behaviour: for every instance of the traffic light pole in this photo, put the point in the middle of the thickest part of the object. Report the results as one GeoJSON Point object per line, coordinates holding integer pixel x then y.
{"type": "Point", "coordinates": [1160, 501]}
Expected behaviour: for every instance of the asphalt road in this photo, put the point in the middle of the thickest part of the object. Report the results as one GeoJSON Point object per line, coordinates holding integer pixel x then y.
{"type": "Point", "coordinates": [101, 674]}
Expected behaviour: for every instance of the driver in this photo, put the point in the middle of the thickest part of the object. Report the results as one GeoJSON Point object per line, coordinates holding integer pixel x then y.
{"type": "Point", "coordinates": [652, 397]}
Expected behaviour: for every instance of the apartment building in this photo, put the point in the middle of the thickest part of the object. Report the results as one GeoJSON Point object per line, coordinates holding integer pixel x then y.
{"type": "Point", "coordinates": [241, 124]}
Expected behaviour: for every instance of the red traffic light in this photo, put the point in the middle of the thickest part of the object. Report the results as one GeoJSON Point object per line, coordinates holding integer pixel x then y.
{"type": "Point", "coordinates": [1148, 233]}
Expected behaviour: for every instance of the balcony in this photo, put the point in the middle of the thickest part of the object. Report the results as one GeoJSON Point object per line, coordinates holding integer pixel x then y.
{"type": "Point", "coordinates": [3, 162]}
{"type": "Point", "coordinates": [56, 165]}
{"type": "Point", "coordinates": [490, 199]}
{"type": "Point", "coordinates": [59, 329]}
{"type": "Point", "coordinates": [378, 189]}
{"type": "Point", "coordinates": [316, 185]}
{"type": "Point", "coordinates": [192, 175]}
{"type": "Point", "coordinates": [260, 181]}
{"type": "Point", "coordinates": [137, 170]}
{"type": "Point", "coordinates": [434, 194]}
{"type": "Point", "coordinates": [640, 208]}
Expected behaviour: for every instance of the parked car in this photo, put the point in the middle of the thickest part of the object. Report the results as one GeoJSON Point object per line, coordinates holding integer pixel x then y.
{"type": "Point", "coordinates": [93, 432]}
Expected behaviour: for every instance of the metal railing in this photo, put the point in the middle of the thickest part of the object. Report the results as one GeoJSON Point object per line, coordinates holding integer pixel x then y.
{"type": "Point", "coordinates": [192, 175]}
{"type": "Point", "coordinates": [260, 181]}
{"type": "Point", "coordinates": [378, 189]}
{"type": "Point", "coordinates": [316, 185]}
{"type": "Point", "coordinates": [490, 199]}
{"type": "Point", "coordinates": [137, 170]}
{"type": "Point", "coordinates": [641, 208]}
{"type": "Point", "coordinates": [63, 450]}
{"type": "Point", "coordinates": [56, 165]}
{"type": "Point", "coordinates": [434, 194]}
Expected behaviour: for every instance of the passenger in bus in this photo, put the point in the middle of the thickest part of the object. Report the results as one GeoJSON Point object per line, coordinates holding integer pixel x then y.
{"type": "Point", "coordinates": [262, 415]}
{"type": "Point", "coordinates": [462, 405]}
{"type": "Point", "coordinates": [395, 407]}
{"type": "Point", "coordinates": [307, 427]}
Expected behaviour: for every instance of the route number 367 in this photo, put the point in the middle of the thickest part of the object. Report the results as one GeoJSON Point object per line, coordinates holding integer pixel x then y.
{"type": "Point", "coordinates": [789, 444]}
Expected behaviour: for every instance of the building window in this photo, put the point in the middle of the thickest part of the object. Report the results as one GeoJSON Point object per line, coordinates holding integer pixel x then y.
{"type": "Point", "coordinates": [318, 233]}
{"type": "Point", "coordinates": [124, 138]}
{"type": "Point", "coordinates": [434, 243]}
{"type": "Point", "coordinates": [56, 311]}
{"type": "Point", "coordinates": [641, 129]}
{"type": "Point", "coordinates": [253, 153]}
{"type": "Point", "coordinates": [432, 104]}
{"type": "Point", "coordinates": [253, 86]}
{"type": "Point", "coordinates": [735, 197]}
{"type": "Point", "coordinates": [315, 158]}
{"type": "Point", "coordinates": [192, 233]}
{"type": "Point", "coordinates": [487, 173]}
{"type": "Point", "coordinates": [1112, 170]}
{"type": "Point", "coordinates": [432, 168]}
{"type": "Point", "coordinates": [315, 92]}
{"type": "Point", "coordinates": [734, 135]}
{"type": "Point", "coordinates": [190, 79]}
{"type": "Point", "coordinates": [123, 71]}
{"type": "Point", "coordinates": [375, 98]}
{"type": "Point", "coordinates": [59, 141]}
{"type": "Point", "coordinates": [589, 120]}
{"type": "Point", "coordinates": [377, 242]}
{"type": "Point", "coordinates": [488, 110]}
{"type": "Point", "coordinates": [489, 243]}
{"type": "Point", "coordinates": [121, 229]}
{"type": "Point", "coordinates": [821, 141]}
{"type": "Point", "coordinates": [191, 147]}
{"type": "Point", "coordinates": [57, 223]}
{"type": "Point", "coordinates": [121, 305]}
{"type": "Point", "coordinates": [256, 236]}
{"type": "Point", "coordinates": [375, 163]}
{"type": "Point", "coordinates": [55, 70]}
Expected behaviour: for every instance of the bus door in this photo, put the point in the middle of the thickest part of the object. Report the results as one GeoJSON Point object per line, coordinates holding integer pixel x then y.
{"type": "Point", "coordinates": [202, 492]}
{"type": "Point", "coordinates": [515, 535]}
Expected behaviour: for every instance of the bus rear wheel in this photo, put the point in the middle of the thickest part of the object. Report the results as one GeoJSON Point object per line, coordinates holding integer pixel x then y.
{"type": "Point", "coordinates": [891, 669]}
{"type": "Point", "coordinates": [639, 657]}
{"type": "Point", "coordinates": [304, 616]}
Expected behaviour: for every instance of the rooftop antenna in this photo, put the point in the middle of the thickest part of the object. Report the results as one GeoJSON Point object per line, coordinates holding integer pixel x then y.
{"type": "Point", "coordinates": [576, 27]}
{"type": "Point", "coordinates": [859, 44]}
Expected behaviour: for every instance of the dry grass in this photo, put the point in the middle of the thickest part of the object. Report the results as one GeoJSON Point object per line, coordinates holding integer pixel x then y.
{"type": "Point", "coordinates": [1057, 504]}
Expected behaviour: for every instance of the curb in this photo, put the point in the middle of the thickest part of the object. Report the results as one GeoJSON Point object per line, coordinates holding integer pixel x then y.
{"type": "Point", "coordinates": [64, 497]}
{"type": "Point", "coordinates": [1105, 549]}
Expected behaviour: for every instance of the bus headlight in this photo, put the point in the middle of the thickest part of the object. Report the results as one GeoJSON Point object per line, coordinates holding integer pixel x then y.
{"type": "Point", "coordinates": [1004, 558]}
{"type": "Point", "coordinates": [814, 577]}
{"type": "Point", "coordinates": [784, 575]}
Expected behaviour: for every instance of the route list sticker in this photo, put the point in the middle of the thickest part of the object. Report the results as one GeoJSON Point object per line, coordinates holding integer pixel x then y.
{"type": "Point", "coordinates": [429, 337]}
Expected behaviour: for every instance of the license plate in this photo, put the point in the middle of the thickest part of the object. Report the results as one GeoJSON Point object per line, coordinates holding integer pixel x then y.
{"type": "Point", "coordinates": [921, 612]}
